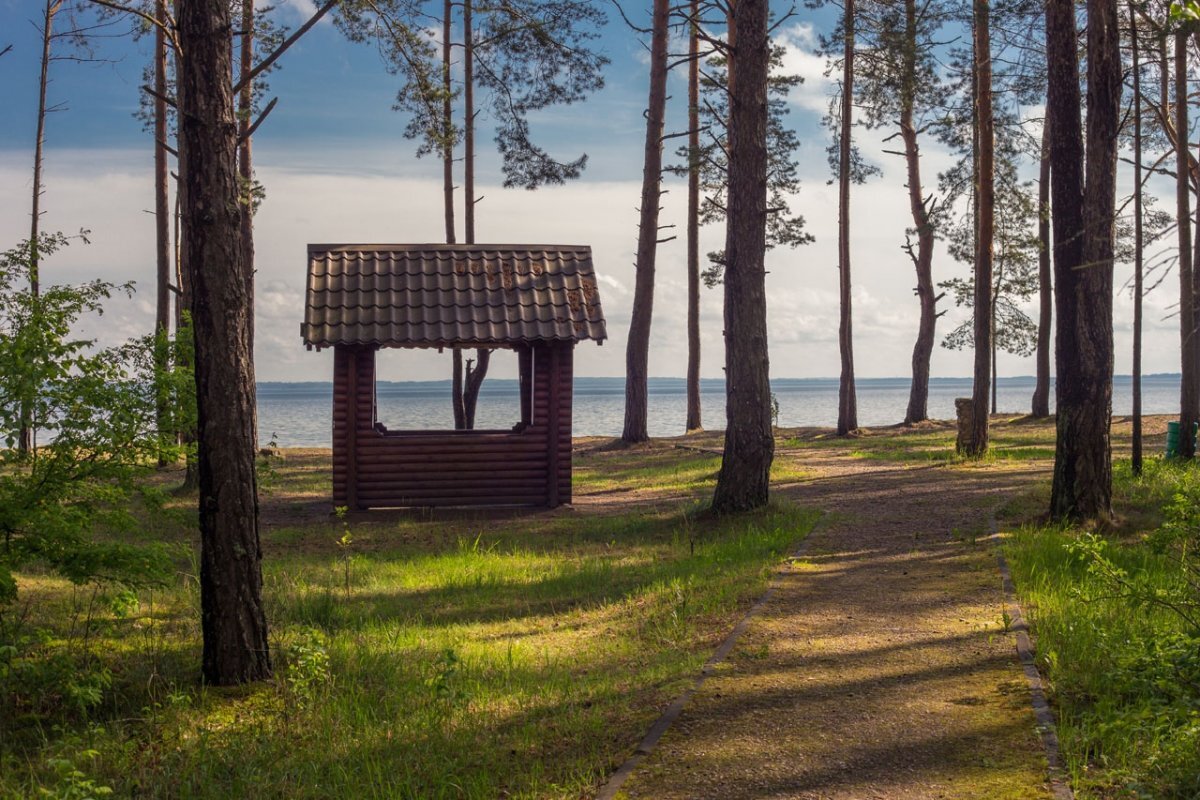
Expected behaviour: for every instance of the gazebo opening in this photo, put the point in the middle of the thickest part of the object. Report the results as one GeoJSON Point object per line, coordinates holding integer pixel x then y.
{"type": "Point", "coordinates": [536, 300]}
{"type": "Point", "coordinates": [499, 406]}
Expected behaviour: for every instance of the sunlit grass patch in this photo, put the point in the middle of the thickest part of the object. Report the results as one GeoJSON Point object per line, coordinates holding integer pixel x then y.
{"type": "Point", "coordinates": [1123, 668]}
{"type": "Point", "coordinates": [664, 470]}
{"type": "Point", "coordinates": [428, 657]}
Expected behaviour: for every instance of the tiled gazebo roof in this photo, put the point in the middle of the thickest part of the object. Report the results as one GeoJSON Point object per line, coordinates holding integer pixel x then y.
{"type": "Point", "coordinates": [434, 295]}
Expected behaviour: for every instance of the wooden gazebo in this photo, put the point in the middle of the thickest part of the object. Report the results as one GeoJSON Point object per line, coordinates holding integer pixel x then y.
{"type": "Point", "coordinates": [538, 300]}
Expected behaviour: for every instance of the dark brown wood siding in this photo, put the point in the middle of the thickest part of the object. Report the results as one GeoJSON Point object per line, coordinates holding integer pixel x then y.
{"type": "Point", "coordinates": [376, 469]}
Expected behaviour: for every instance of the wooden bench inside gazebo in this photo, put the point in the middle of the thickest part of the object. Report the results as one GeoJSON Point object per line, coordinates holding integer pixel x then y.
{"type": "Point", "coordinates": [538, 300]}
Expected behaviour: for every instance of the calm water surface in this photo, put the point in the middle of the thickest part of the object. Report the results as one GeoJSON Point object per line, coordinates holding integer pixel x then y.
{"type": "Point", "coordinates": [298, 414]}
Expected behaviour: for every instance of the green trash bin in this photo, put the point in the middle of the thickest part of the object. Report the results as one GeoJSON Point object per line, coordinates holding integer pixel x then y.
{"type": "Point", "coordinates": [1173, 438]}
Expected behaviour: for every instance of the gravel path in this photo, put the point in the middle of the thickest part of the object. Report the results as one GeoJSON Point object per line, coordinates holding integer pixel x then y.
{"type": "Point", "coordinates": [880, 667]}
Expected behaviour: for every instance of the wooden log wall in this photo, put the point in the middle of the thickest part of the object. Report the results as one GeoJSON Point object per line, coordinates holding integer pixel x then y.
{"type": "Point", "coordinates": [373, 469]}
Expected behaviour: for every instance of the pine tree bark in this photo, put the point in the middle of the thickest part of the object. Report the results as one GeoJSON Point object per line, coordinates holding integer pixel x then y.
{"type": "Point", "coordinates": [1137, 243]}
{"type": "Point", "coordinates": [475, 376]}
{"type": "Point", "coordinates": [26, 436]}
{"type": "Point", "coordinates": [1083, 259]}
{"type": "Point", "coordinates": [188, 436]}
{"type": "Point", "coordinates": [744, 479]}
{"type": "Point", "coordinates": [232, 617]}
{"type": "Point", "coordinates": [694, 422]}
{"type": "Point", "coordinates": [1189, 387]}
{"type": "Point", "coordinates": [162, 222]}
{"type": "Point", "coordinates": [1040, 406]}
{"type": "Point", "coordinates": [245, 166]}
{"type": "Point", "coordinates": [447, 125]}
{"type": "Point", "coordinates": [918, 396]}
{"type": "Point", "coordinates": [456, 390]}
{"type": "Point", "coordinates": [637, 352]}
{"type": "Point", "coordinates": [977, 444]}
{"type": "Point", "coordinates": [847, 399]}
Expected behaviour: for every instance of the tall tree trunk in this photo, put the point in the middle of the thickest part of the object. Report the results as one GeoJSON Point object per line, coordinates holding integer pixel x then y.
{"type": "Point", "coordinates": [847, 400]}
{"type": "Point", "coordinates": [447, 125]}
{"type": "Point", "coordinates": [995, 349]}
{"type": "Point", "coordinates": [1083, 258]}
{"type": "Point", "coordinates": [245, 166]}
{"type": "Point", "coordinates": [744, 479]}
{"type": "Point", "coordinates": [468, 122]}
{"type": "Point", "coordinates": [188, 436]}
{"type": "Point", "coordinates": [232, 618]}
{"type": "Point", "coordinates": [456, 390]}
{"type": "Point", "coordinates": [693, 222]}
{"type": "Point", "coordinates": [918, 396]}
{"type": "Point", "coordinates": [1189, 392]}
{"type": "Point", "coordinates": [456, 367]}
{"type": "Point", "coordinates": [1040, 407]}
{"type": "Point", "coordinates": [27, 437]}
{"type": "Point", "coordinates": [162, 226]}
{"type": "Point", "coordinates": [637, 352]}
{"type": "Point", "coordinates": [475, 376]}
{"type": "Point", "coordinates": [1137, 243]}
{"type": "Point", "coordinates": [985, 193]}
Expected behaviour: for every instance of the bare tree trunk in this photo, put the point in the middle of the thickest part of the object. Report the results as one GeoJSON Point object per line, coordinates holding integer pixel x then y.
{"type": "Point", "coordinates": [1189, 393]}
{"type": "Point", "coordinates": [744, 480]}
{"type": "Point", "coordinates": [847, 400]}
{"type": "Point", "coordinates": [918, 396]}
{"type": "Point", "coordinates": [637, 353]}
{"type": "Point", "coordinates": [162, 223]}
{"type": "Point", "coordinates": [27, 436]}
{"type": "Point", "coordinates": [977, 445]}
{"type": "Point", "coordinates": [468, 123]}
{"type": "Point", "coordinates": [447, 125]}
{"type": "Point", "coordinates": [475, 375]}
{"type": "Point", "coordinates": [456, 390]}
{"type": "Point", "coordinates": [474, 381]}
{"type": "Point", "coordinates": [233, 621]}
{"type": "Point", "coordinates": [191, 475]}
{"type": "Point", "coordinates": [693, 223]}
{"type": "Point", "coordinates": [1137, 243]}
{"type": "Point", "coordinates": [1083, 263]}
{"type": "Point", "coordinates": [995, 351]}
{"type": "Point", "coordinates": [1040, 407]}
{"type": "Point", "coordinates": [456, 374]}
{"type": "Point", "coordinates": [245, 166]}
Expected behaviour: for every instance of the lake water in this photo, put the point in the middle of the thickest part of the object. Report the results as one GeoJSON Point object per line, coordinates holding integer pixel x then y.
{"type": "Point", "coordinates": [298, 414]}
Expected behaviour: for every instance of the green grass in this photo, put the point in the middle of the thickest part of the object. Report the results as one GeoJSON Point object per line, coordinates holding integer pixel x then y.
{"type": "Point", "coordinates": [1124, 675]}
{"type": "Point", "coordinates": [1010, 441]}
{"type": "Point", "coordinates": [470, 656]}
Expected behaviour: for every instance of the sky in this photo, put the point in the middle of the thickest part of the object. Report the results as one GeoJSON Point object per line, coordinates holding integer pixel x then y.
{"type": "Point", "coordinates": [336, 168]}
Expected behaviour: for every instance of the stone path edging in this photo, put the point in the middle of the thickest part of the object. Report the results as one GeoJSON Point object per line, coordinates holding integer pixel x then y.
{"type": "Point", "coordinates": [1060, 785]}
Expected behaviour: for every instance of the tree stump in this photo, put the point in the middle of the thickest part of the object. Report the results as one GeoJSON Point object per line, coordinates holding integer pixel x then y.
{"type": "Point", "coordinates": [964, 408]}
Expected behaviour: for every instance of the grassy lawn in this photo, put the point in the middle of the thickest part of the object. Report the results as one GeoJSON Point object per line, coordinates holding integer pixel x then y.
{"type": "Point", "coordinates": [1012, 439]}
{"type": "Point", "coordinates": [1123, 670]}
{"type": "Point", "coordinates": [452, 655]}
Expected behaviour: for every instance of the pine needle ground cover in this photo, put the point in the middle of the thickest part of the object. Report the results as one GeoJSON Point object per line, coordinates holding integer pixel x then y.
{"type": "Point", "coordinates": [1115, 618]}
{"type": "Point", "coordinates": [453, 656]}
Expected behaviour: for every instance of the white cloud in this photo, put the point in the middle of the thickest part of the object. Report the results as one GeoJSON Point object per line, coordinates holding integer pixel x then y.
{"type": "Point", "coordinates": [109, 191]}
{"type": "Point", "coordinates": [800, 58]}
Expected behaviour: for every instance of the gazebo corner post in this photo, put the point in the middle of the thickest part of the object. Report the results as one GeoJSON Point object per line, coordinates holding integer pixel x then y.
{"type": "Point", "coordinates": [566, 369]}
{"type": "Point", "coordinates": [525, 373]}
{"type": "Point", "coordinates": [351, 412]}
{"type": "Point", "coordinates": [552, 427]}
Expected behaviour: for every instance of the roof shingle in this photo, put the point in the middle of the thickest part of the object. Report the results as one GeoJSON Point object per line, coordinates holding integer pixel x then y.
{"type": "Point", "coordinates": [434, 295]}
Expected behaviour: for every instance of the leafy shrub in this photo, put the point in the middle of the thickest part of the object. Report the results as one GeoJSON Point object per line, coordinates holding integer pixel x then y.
{"type": "Point", "coordinates": [95, 410]}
